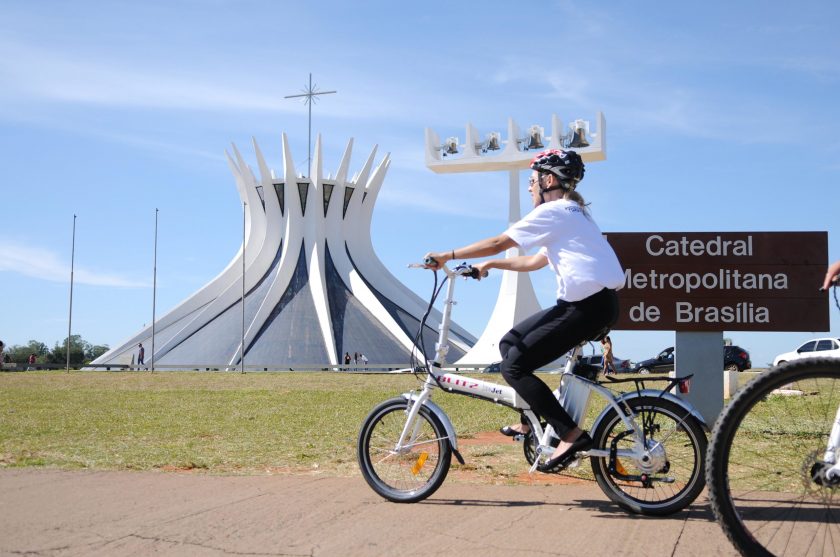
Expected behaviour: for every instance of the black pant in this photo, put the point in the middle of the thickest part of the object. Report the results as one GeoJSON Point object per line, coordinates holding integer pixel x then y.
{"type": "Point", "coordinates": [544, 337]}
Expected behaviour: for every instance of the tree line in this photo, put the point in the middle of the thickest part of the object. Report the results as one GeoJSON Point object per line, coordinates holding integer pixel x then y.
{"type": "Point", "coordinates": [81, 352]}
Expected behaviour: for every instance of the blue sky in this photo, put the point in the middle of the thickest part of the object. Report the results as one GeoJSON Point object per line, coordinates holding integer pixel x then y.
{"type": "Point", "coordinates": [721, 117]}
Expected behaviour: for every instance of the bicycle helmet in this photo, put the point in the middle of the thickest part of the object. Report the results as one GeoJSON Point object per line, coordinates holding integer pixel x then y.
{"type": "Point", "coordinates": [566, 165]}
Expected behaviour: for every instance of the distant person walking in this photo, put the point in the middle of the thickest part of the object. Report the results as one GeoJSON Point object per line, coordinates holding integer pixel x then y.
{"type": "Point", "coordinates": [31, 362]}
{"type": "Point", "coordinates": [141, 353]}
{"type": "Point", "coordinates": [364, 361]}
{"type": "Point", "coordinates": [355, 361]}
{"type": "Point", "coordinates": [347, 358]}
{"type": "Point", "coordinates": [609, 361]}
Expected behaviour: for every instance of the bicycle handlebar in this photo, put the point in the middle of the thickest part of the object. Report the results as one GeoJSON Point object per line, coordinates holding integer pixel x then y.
{"type": "Point", "coordinates": [462, 270]}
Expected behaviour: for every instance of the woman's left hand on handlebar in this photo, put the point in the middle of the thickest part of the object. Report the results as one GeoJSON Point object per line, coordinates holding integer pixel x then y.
{"type": "Point", "coordinates": [482, 269]}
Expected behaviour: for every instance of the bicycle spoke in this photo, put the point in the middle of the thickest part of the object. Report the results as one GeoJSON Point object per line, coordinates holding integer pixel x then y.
{"type": "Point", "coordinates": [671, 478]}
{"type": "Point", "coordinates": [773, 442]}
{"type": "Point", "coordinates": [412, 471]}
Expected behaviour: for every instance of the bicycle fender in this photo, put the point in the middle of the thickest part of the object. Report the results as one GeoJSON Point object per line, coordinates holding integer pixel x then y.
{"type": "Point", "coordinates": [687, 406]}
{"type": "Point", "coordinates": [441, 415]}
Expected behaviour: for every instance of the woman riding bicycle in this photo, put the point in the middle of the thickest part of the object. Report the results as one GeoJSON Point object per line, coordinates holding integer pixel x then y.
{"type": "Point", "coordinates": [588, 272]}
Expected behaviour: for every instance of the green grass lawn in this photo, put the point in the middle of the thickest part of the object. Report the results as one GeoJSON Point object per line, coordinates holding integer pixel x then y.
{"type": "Point", "coordinates": [229, 423]}
{"type": "Point", "coordinates": [217, 422]}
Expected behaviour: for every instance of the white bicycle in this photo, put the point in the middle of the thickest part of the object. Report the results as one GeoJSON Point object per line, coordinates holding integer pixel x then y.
{"type": "Point", "coordinates": [649, 445]}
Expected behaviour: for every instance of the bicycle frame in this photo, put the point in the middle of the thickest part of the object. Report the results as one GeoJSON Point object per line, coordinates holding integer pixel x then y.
{"type": "Point", "coordinates": [832, 448]}
{"type": "Point", "coordinates": [576, 394]}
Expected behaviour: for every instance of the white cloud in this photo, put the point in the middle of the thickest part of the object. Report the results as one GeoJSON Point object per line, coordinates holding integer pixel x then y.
{"type": "Point", "coordinates": [640, 102]}
{"type": "Point", "coordinates": [440, 200]}
{"type": "Point", "coordinates": [48, 75]}
{"type": "Point", "coordinates": [44, 264]}
{"type": "Point", "coordinates": [39, 74]}
{"type": "Point", "coordinates": [156, 146]}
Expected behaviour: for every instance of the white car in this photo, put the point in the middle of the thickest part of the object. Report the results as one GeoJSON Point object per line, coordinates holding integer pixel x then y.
{"type": "Point", "coordinates": [818, 347]}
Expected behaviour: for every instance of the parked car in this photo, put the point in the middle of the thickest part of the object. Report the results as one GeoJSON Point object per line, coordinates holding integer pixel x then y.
{"type": "Point", "coordinates": [621, 365]}
{"type": "Point", "coordinates": [661, 363]}
{"type": "Point", "coordinates": [822, 347]}
{"type": "Point", "coordinates": [735, 358]}
{"type": "Point", "coordinates": [492, 368]}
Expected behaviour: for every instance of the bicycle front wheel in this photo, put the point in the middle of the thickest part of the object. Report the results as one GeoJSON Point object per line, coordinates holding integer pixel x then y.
{"type": "Point", "coordinates": [409, 473]}
{"type": "Point", "coordinates": [765, 459]}
{"type": "Point", "coordinates": [670, 477]}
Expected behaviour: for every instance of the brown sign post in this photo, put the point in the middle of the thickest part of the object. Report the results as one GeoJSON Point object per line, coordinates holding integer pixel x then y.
{"type": "Point", "coordinates": [699, 284]}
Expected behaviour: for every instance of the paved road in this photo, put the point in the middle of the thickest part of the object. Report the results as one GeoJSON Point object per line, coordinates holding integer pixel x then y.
{"type": "Point", "coordinates": [64, 513]}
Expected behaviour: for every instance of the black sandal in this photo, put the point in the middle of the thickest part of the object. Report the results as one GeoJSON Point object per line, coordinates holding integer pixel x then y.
{"type": "Point", "coordinates": [582, 443]}
{"type": "Point", "coordinates": [510, 432]}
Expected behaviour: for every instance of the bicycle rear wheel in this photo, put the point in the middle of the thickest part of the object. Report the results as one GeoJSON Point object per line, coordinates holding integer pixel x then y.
{"type": "Point", "coordinates": [671, 478]}
{"type": "Point", "coordinates": [766, 449]}
{"type": "Point", "coordinates": [416, 470]}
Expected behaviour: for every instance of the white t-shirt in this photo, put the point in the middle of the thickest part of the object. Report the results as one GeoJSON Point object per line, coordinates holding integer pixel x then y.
{"type": "Point", "coordinates": [583, 260]}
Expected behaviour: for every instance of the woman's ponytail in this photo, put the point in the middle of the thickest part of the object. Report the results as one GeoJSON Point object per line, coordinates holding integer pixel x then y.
{"type": "Point", "coordinates": [573, 195]}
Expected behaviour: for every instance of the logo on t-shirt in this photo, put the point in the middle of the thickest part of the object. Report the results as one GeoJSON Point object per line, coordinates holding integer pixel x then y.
{"type": "Point", "coordinates": [574, 209]}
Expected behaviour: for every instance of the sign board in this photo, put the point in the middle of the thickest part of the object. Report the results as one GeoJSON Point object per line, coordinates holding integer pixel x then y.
{"type": "Point", "coordinates": [715, 281]}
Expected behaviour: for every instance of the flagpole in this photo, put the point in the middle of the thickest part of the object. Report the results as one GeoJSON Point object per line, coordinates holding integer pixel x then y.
{"type": "Point", "coordinates": [70, 317]}
{"type": "Point", "coordinates": [242, 346]}
{"type": "Point", "coordinates": [154, 293]}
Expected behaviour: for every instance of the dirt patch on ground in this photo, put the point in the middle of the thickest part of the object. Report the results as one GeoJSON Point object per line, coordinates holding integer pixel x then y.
{"type": "Point", "coordinates": [466, 475]}
{"type": "Point", "coordinates": [173, 468]}
{"type": "Point", "coordinates": [491, 459]}
{"type": "Point", "coordinates": [484, 438]}
{"type": "Point", "coordinates": [497, 459]}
